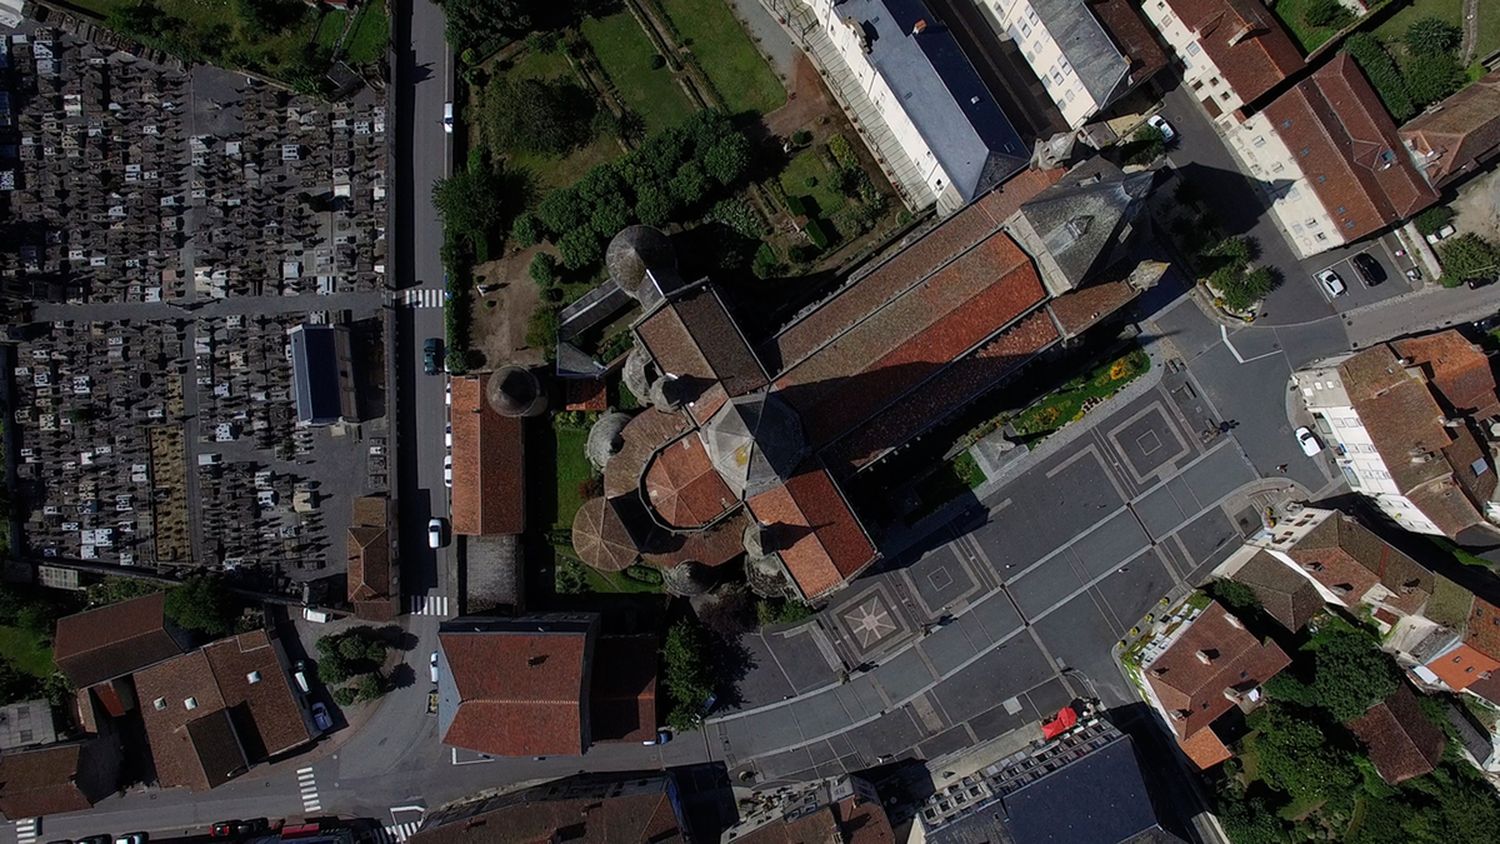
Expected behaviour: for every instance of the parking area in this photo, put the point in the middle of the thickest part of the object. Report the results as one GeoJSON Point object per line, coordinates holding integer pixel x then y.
{"type": "Point", "coordinates": [1389, 272]}
{"type": "Point", "coordinates": [1014, 612]}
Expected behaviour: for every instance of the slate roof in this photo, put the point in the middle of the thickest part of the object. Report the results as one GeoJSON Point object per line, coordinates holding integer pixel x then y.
{"type": "Point", "coordinates": [1192, 687]}
{"type": "Point", "coordinates": [940, 92]}
{"type": "Point", "coordinates": [1347, 147]}
{"type": "Point", "coordinates": [754, 442]}
{"type": "Point", "coordinates": [907, 268]}
{"type": "Point", "coordinates": [1262, 55]}
{"type": "Point", "coordinates": [694, 339]}
{"type": "Point", "coordinates": [622, 700]}
{"type": "Point", "coordinates": [682, 486]}
{"type": "Point", "coordinates": [114, 640]}
{"type": "Point", "coordinates": [1072, 229]}
{"type": "Point", "coordinates": [1462, 131]}
{"type": "Point", "coordinates": [516, 687]}
{"type": "Point", "coordinates": [1287, 596]}
{"type": "Point", "coordinates": [489, 458]}
{"type": "Point", "coordinates": [1401, 741]}
{"type": "Point", "coordinates": [1100, 797]}
{"type": "Point", "coordinates": [1348, 558]}
{"type": "Point", "coordinates": [315, 373]}
{"type": "Point", "coordinates": [41, 782]}
{"type": "Point", "coordinates": [1101, 66]}
{"type": "Point", "coordinates": [818, 537]}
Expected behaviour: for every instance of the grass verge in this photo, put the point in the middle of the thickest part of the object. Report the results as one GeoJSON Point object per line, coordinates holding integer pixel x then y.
{"type": "Point", "coordinates": [367, 40]}
{"type": "Point", "coordinates": [26, 651]}
{"type": "Point", "coordinates": [625, 53]}
{"type": "Point", "coordinates": [1076, 397]}
{"type": "Point", "coordinates": [729, 58]}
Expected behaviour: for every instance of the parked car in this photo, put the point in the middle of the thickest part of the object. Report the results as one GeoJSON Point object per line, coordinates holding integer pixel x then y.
{"type": "Point", "coordinates": [1369, 269]}
{"type": "Point", "coordinates": [229, 829]}
{"type": "Point", "coordinates": [1156, 121]}
{"type": "Point", "coordinates": [436, 533]}
{"type": "Point", "coordinates": [432, 702]}
{"type": "Point", "coordinates": [1309, 442]}
{"type": "Point", "coordinates": [432, 355]}
{"type": "Point", "coordinates": [299, 673]}
{"type": "Point", "coordinates": [95, 839]}
{"type": "Point", "coordinates": [132, 838]}
{"type": "Point", "coordinates": [1332, 284]}
{"type": "Point", "coordinates": [320, 718]}
{"type": "Point", "coordinates": [448, 118]}
{"type": "Point", "coordinates": [448, 471]}
{"type": "Point", "coordinates": [432, 666]}
{"type": "Point", "coordinates": [1414, 273]}
{"type": "Point", "coordinates": [662, 737]}
{"type": "Point", "coordinates": [448, 435]}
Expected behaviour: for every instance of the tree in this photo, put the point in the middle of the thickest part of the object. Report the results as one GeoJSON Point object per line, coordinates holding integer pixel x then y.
{"type": "Point", "coordinates": [1145, 146]}
{"type": "Point", "coordinates": [1388, 82]}
{"type": "Point", "coordinates": [527, 230]}
{"type": "Point", "coordinates": [548, 117]}
{"type": "Point", "coordinates": [561, 211]}
{"type": "Point", "coordinates": [728, 160]}
{"type": "Point", "coordinates": [469, 202]}
{"type": "Point", "coordinates": [202, 603]}
{"type": "Point", "coordinates": [1349, 674]}
{"type": "Point", "coordinates": [1432, 76]}
{"type": "Point", "coordinates": [1329, 14]}
{"type": "Point", "coordinates": [471, 22]}
{"type": "Point", "coordinates": [1297, 758]}
{"type": "Point", "coordinates": [580, 248]}
{"type": "Point", "coordinates": [344, 696]}
{"type": "Point", "coordinates": [654, 206]}
{"type": "Point", "coordinates": [1237, 597]}
{"type": "Point", "coordinates": [1249, 819]}
{"type": "Point", "coordinates": [1434, 218]}
{"type": "Point", "coordinates": [543, 271]}
{"type": "Point", "coordinates": [1432, 36]}
{"type": "Point", "coordinates": [369, 687]}
{"type": "Point", "coordinates": [263, 18]}
{"type": "Point", "coordinates": [686, 677]}
{"type": "Point", "coordinates": [1467, 256]}
{"type": "Point", "coordinates": [690, 185]}
{"type": "Point", "coordinates": [1241, 290]}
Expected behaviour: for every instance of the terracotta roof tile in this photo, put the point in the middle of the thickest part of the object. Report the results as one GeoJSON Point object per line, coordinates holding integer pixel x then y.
{"type": "Point", "coordinates": [1214, 655]}
{"type": "Point", "coordinates": [1457, 369]}
{"type": "Point", "coordinates": [114, 640]}
{"type": "Point", "coordinates": [811, 526]}
{"type": "Point", "coordinates": [1082, 309]}
{"type": "Point", "coordinates": [1346, 146]}
{"type": "Point", "coordinates": [1483, 630]}
{"type": "Point", "coordinates": [866, 294]}
{"type": "Point", "coordinates": [1244, 40]}
{"type": "Point", "coordinates": [1134, 36]}
{"type": "Point", "coordinates": [1349, 559]}
{"type": "Point", "coordinates": [174, 685]}
{"type": "Point", "coordinates": [1401, 741]}
{"type": "Point", "coordinates": [519, 693]}
{"type": "Point", "coordinates": [1463, 132]}
{"type": "Point", "coordinates": [489, 490]}
{"type": "Point", "coordinates": [715, 546]}
{"type": "Point", "coordinates": [639, 440]}
{"type": "Point", "coordinates": [1462, 667]}
{"type": "Point", "coordinates": [600, 536]}
{"type": "Point", "coordinates": [911, 337]}
{"type": "Point", "coordinates": [40, 782]}
{"type": "Point", "coordinates": [622, 700]}
{"type": "Point", "coordinates": [1287, 596]}
{"type": "Point", "coordinates": [1205, 749]}
{"type": "Point", "coordinates": [951, 390]}
{"type": "Point", "coordinates": [683, 487]}
{"type": "Point", "coordinates": [268, 717]}
{"type": "Point", "coordinates": [585, 394]}
{"type": "Point", "coordinates": [694, 338]}
{"type": "Point", "coordinates": [369, 565]}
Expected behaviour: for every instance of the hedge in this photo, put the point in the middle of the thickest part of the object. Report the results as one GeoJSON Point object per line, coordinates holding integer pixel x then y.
{"type": "Point", "coordinates": [1383, 74]}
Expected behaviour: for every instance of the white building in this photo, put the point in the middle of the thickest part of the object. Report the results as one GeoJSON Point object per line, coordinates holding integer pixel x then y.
{"type": "Point", "coordinates": [897, 56]}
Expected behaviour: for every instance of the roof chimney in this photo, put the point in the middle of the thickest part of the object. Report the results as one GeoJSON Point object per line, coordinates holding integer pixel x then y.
{"type": "Point", "coordinates": [1206, 656]}
{"type": "Point", "coordinates": [534, 661]}
{"type": "Point", "coordinates": [1234, 621]}
{"type": "Point", "coordinates": [919, 27]}
{"type": "Point", "coordinates": [1241, 33]}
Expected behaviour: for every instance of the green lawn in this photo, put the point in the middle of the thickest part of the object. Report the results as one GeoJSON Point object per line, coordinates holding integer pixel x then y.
{"type": "Point", "coordinates": [728, 56]}
{"type": "Point", "coordinates": [330, 28]}
{"type": "Point", "coordinates": [572, 469]}
{"type": "Point", "coordinates": [805, 165]}
{"type": "Point", "coordinates": [1394, 27]}
{"type": "Point", "coordinates": [1309, 38]}
{"type": "Point", "coordinates": [625, 53]}
{"type": "Point", "coordinates": [26, 651]}
{"type": "Point", "coordinates": [367, 41]}
{"type": "Point", "coordinates": [1067, 404]}
{"type": "Point", "coordinates": [1489, 31]}
{"type": "Point", "coordinates": [551, 171]}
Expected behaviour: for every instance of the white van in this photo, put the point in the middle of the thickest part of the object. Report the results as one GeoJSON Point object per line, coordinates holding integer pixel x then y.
{"type": "Point", "coordinates": [313, 615]}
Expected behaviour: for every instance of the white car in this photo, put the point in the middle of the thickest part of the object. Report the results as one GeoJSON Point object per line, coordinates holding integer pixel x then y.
{"type": "Point", "coordinates": [437, 534]}
{"type": "Point", "coordinates": [448, 471]}
{"type": "Point", "coordinates": [1332, 284]}
{"type": "Point", "coordinates": [1309, 442]}
{"type": "Point", "coordinates": [320, 718]}
{"type": "Point", "coordinates": [448, 436]}
{"type": "Point", "coordinates": [1156, 121]}
{"type": "Point", "coordinates": [432, 666]}
{"type": "Point", "coordinates": [448, 394]}
{"type": "Point", "coordinates": [448, 118]}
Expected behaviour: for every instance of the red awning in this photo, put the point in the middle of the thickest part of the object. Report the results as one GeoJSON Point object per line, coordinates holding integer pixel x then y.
{"type": "Point", "coordinates": [1060, 723]}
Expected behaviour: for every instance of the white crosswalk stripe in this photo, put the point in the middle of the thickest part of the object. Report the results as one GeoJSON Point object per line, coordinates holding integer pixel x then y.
{"type": "Point", "coordinates": [398, 831]}
{"type": "Point", "coordinates": [307, 784]}
{"type": "Point", "coordinates": [26, 831]}
{"type": "Point", "coordinates": [421, 297]}
{"type": "Point", "coordinates": [429, 605]}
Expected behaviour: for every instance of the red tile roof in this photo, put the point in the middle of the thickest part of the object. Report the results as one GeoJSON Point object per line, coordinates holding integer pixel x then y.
{"type": "Point", "coordinates": [1456, 368]}
{"type": "Point", "coordinates": [712, 547]}
{"type": "Point", "coordinates": [1483, 630]}
{"type": "Point", "coordinates": [1401, 741]}
{"type": "Point", "coordinates": [908, 267]}
{"type": "Point", "coordinates": [818, 537]}
{"type": "Point", "coordinates": [519, 693]}
{"type": "Point", "coordinates": [911, 338]}
{"type": "Point", "coordinates": [694, 338]}
{"type": "Point", "coordinates": [1134, 36]}
{"type": "Point", "coordinates": [489, 489]}
{"type": "Point", "coordinates": [1462, 667]}
{"type": "Point", "coordinates": [1205, 748]}
{"type": "Point", "coordinates": [1079, 310]}
{"type": "Point", "coordinates": [1464, 131]}
{"type": "Point", "coordinates": [1245, 42]}
{"type": "Point", "coordinates": [622, 702]}
{"type": "Point", "coordinates": [1215, 655]}
{"type": "Point", "coordinates": [172, 695]}
{"type": "Point", "coordinates": [114, 640]}
{"type": "Point", "coordinates": [1346, 146]}
{"type": "Point", "coordinates": [639, 440]}
{"type": "Point", "coordinates": [585, 394]}
{"type": "Point", "coordinates": [1349, 559]}
{"type": "Point", "coordinates": [600, 537]}
{"type": "Point", "coordinates": [935, 400]}
{"type": "Point", "coordinates": [683, 487]}
{"type": "Point", "coordinates": [275, 723]}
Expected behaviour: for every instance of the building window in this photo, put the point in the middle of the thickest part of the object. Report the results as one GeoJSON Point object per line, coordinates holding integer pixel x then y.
{"type": "Point", "coordinates": [1322, 236]}
{"type": "Point", "coordinates": [1305, 151]}
{"type": "Point", "coordinates": [1193, 48]}
{"type": "Point", "coordinates": [1322, 178]}
{"type": "Point", "coordinates": [1197, 84]}
{"type": "Point", "coordinates": [1341, 211]}
{"type": "Point", "coordinates": [1025, 29]}
{"type": "Point", "coordinates": [1349, 224]}
{"type": "Point", "coordinates": [1224, 96]}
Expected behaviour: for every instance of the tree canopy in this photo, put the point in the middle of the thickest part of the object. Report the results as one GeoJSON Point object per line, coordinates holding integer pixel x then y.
{"type": "Point", "coordinates": [469, 202]}
{"type": "Point", "coordinates": [1432, 35]}
{"type": "Point", "coordinates": [1468, 256]}
{"type": "Point", "coordinates": [538, 116]}
{"type": "Point", "coordinates": [687, 678]}
{"type": "Point", "coordinates": [1349, 674]}
{"type": "Point", "coordinates": [472, 22]}
{"type": "Point", "coordinates": [204, 604]}
{"type": "Point", "coordinates": [1296, 757]}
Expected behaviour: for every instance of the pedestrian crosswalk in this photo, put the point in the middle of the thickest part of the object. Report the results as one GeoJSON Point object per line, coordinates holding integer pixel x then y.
{"type": "Point", "coordinates": [429, 605]}
{"type": "Point", "coordinates": [397, 832]}
{"type": "Point", "coordinates": [307, 784]}
{"type": "Point", "coordinates": [26, 831]}
{"type": "Point", "coordinates": [421, 297]}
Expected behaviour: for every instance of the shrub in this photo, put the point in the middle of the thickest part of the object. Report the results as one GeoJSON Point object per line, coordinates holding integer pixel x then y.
{"type": "Point", "coordinates": [1432, 76]}
{"type": "Point", "coordinates": [686, 677]}
{"type": "Point", "coordinates": [1432, 36]}
{"type": "Point", "coordinates": [538, 116]}
{"type": "Point", "coordinates": [570, 578]}
{"type": "Point", "coordinates": [1330, 14]}
{"type": "Point", "coordinates": [1381, 70]}
{"type": "Point", "coordinates": [842, 151]}
{"type": "Point", "coordinates": [644, 574]}
{"type": "Point", "coordinates": [1145, 146]}
{"type": "Point", "coordinates": [526, 230]}
{"type": "Point", "coordinates": [817, 234]}
{"type": "Point", "coordinates": [1466, 257]}
{"type": "Point", "coordinates": [543, 271]}
{"type": "Point", "coordinates": [541, 330]}
{"type": "Point", "coordinates": [344, 696]}
{"type": "Point", "coordinates": [657, 61]}
{"type": "Point", "coordinates": [1434, 218]}
{"type": "Point", "coordinates": [801, 138]}
{"type": "Point", "coordinates": [766, 264]}
{"type": "Point", "coordinates": [796, 205]}
{"type": "Point", "coordinates": [739, 215]}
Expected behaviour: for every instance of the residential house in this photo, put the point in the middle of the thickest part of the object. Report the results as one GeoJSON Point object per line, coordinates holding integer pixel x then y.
{"type": "Point", "coordinates": [1399, 738]}
{"type": "Point", "coordinates": [1213, 665]}
{"type": "Point", "coordinates": [57, 778]}
{"type": "Point", "coordinates": [1284, 594]}
{"type": "Point", "coordinates": [489, 453]}
{"type": "Point", "coordinates": [942, 117]}
{"type": "Point", "coordinates": [1457, 136]}
{"type": "Point", "coordinates": [625, 806]}
{"type": "Point", "coordinates": [94, 649]}
{"type": "Point", "coordinates": [1329, 157]}
{"type": "Point", "coordinates": [1232, 52]}
{"type": "Point", "coordinates": [1401, 441]}
{"type": "Point", "coordinates": [1087, 54]}
{"type": "Point", "coordinates": [373, 583]}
